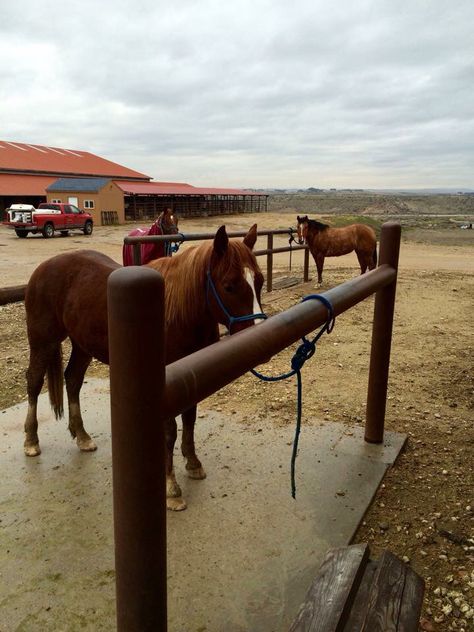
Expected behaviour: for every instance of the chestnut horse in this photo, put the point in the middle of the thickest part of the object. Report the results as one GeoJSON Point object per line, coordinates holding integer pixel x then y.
{"type": "Point", "coordinates": [165, 224]}
{"type": "Point", "coordinates": [215, 282]}
{"type": "Point", "coordinates": [324, 241]}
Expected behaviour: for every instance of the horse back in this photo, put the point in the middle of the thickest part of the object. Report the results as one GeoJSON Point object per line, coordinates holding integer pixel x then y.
{"type": "Point", "coordinates": [67, 296]}
{"type": "Point", "coordinates": [334, 242]}
{"type": "Point", "coordinates": [148, 252]}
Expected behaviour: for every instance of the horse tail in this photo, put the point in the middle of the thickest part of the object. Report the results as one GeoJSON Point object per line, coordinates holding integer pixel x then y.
{"type": "Point", "coordinates": [56, 381]}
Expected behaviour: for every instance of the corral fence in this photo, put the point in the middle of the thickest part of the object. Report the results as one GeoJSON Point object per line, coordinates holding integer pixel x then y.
{"type": "Point", "coordinates": [14, 294]}
{"type": "Point", "coordinates": [144, 393]}
{"type": "Point", "coordinates": [269, 251]}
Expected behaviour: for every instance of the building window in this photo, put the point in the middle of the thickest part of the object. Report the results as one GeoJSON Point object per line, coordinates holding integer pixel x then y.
{"type": "Point", "coordinates": [88, 203]}
{"type": "Point", "coordinates": [55, 201]}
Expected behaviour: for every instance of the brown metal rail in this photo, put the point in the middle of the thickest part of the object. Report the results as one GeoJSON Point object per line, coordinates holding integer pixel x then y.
{"type": "Point", "coordinates": [13, 294]}
{"type": "Point", "coordinates": [269, 251]}
{"type": "Point", "coordinates": [136, 315]}
{"type": "Point", "coordinates": [17, 293]}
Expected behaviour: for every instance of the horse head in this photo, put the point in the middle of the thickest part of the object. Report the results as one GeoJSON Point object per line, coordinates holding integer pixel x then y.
{"type": "Point", "coordinates": [302, 228]}
{"type": "Point", "coordinates": [168, 222]}
{"type": "Point", "coordinates": [234, 281]}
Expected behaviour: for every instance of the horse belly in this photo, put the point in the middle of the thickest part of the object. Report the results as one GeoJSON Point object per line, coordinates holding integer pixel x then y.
{"type": "Point", "coordinates": [337, 245]}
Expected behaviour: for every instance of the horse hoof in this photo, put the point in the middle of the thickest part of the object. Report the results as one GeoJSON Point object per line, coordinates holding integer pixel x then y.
{"type": "Point", "coordinates": [86, 445]}
{"type": "Point", "coordinates": [176, 504]}
{"type": "Point", "coordinates": [173, 490]}
{"type": "Point", "coordinates": [198, 473]}
{"type": "Point", "coordinates": [32, 450]}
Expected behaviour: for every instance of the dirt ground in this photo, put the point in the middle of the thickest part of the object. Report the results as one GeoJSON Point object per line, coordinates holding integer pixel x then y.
{"type": "Point", "coordinates": [424, 511]}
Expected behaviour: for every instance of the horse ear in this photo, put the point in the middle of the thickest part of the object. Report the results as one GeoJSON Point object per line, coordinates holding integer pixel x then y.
{"type": "Point", "coordinates": [221, 241]}
{"type": "Point", "coordinates": [251, 237]}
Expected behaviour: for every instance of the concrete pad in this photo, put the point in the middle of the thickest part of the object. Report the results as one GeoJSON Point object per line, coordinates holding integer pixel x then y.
{"type": "Point", "coordinates": [239, 559]}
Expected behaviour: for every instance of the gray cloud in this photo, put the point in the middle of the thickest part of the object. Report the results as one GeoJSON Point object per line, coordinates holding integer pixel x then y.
{"type": "Point", "coordinates": [248, 93]}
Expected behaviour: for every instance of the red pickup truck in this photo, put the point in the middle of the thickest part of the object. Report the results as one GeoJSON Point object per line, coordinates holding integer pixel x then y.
{"type": "Point", "coordinates": [48, 218]}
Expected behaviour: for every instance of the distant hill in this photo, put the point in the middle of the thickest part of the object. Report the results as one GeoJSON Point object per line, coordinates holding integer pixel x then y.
{"type": "Point", "coordinates": [435, 191]}
{"type": "Point", "coordinates": [372, 203]}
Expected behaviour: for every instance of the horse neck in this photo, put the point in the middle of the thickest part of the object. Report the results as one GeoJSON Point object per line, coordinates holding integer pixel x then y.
{"type": "Point", "coordinates": [315, 233]}
{"type": "Point", "coordinates": [185, 287]}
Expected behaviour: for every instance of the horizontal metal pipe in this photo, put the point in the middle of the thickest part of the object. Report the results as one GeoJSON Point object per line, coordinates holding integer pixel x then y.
{"type": "Point", "coordinates": [260, 253]}
{"type": "Point", "coordinates": [13, 294]}
{"type": "Point", "coordinates": [192, 379]}
{"type": "Point", "coordinates": [149, 239]}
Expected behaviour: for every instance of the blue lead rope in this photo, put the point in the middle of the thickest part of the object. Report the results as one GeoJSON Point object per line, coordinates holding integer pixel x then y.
{"type": "Point", "coordinates": [305, 351]}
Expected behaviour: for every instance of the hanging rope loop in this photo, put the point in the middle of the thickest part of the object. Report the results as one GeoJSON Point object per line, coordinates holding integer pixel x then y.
{"type": "Point", "coordinates": [304, 352]}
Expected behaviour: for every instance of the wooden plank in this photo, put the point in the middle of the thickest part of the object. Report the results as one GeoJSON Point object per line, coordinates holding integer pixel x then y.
{"type": "Point", "coordinates": [410, 610]}
{"type": "Point", "coordinates": [395, 597]}
{"type": "Point", "coordinates": [329, 598]}
{"type": "Point", "coordinates": [359, 607]}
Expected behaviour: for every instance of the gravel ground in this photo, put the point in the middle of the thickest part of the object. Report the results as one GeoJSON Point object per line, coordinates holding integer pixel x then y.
{"type": "Point", "coordinates": [424, 511]}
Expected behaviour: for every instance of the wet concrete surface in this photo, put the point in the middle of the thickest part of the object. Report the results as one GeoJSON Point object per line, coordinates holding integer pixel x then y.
{"type": "Point", "coordinates": [240, 558]}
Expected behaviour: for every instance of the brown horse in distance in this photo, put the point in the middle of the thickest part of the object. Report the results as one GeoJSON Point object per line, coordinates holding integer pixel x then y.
{"type": "Point", "coordinates": [67, 297]}
{"type": "Point", "coordinates": [324, 241]}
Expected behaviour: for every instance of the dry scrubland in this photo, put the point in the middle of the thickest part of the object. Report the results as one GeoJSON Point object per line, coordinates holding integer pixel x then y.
{"type": "Point", "coordinates": [424, 510]}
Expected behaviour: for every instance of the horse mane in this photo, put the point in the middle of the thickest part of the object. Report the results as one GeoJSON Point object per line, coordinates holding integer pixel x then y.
{"type": "Point", "coordinates": [318, 225]}
{"type": "Point", "coordinates": [186, 277]}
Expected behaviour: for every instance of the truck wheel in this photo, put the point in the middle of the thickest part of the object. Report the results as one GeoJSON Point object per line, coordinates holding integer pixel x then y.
{"type": "Point", "coordinates": [87, 228]}
{"type": "Point", "coordinates": [48, 230]}
{"type": "Point", "coordinates": [64, 233]}
{"type": "Point", "coordinates": [21, 233]}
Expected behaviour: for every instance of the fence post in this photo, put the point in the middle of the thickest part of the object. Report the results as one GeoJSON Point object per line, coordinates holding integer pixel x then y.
{"type": "Point", "coordinates": [382, 337]}
{"type": "Point", "coordinates": [306, 265]}
{"type": "Point", "coordinates": [137, 256]}
{"type": "Point", "coordinates": [270, 263]}
{"type": "Point", "coordinates": [137, 380]}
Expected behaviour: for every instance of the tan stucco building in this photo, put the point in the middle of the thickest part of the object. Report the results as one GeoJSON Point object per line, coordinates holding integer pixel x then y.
{"type": "Point", "coordinates": [112, 193]}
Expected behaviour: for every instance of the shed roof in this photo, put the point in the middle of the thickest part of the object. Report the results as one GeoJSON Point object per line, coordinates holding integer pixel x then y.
{"type": "Point", "coordinates": [22, 157]}
{"type": "Point", "coordinates": [91, 185]}
{"type": "Point", "coordinates": [20, 185]}
{"type": "Point", "coordinates": [176, 188]}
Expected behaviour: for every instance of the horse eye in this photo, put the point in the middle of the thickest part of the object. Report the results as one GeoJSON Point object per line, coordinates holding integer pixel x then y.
{"type": "Point", "coordinates": [229, 288]}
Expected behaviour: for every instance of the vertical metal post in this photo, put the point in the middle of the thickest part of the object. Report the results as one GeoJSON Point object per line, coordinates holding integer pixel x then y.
{"type": "Point", "coordinates": [137, 254]}
{"type": "Point", "coordinates": [306, 265]}
{"type": "Point", "coordinates": [269, 263]}
{"type": "Point", "coordinates": [137, 380]}
{"type": "Point", "coordinates": [382, 337]}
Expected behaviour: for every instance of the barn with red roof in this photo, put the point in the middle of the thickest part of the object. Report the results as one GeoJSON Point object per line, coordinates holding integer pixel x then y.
{"type": "Point", "coordinates": [111, 192]}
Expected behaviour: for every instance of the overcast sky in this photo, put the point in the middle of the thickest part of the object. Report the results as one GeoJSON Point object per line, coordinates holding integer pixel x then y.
{"type": "Point", "coordinates": [248, 93]}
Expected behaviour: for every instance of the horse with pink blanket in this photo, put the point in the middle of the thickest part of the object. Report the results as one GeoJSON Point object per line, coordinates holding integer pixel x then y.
{"type": "Point", "coordinates": [165, 224]}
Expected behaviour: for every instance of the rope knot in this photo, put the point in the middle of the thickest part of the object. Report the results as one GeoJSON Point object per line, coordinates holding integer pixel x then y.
{"type": "Point", "coordinates": [304, 352]}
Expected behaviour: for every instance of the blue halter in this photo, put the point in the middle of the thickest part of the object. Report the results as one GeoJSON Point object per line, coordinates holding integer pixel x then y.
{"type": "Point", "coordinates": [230, 318]}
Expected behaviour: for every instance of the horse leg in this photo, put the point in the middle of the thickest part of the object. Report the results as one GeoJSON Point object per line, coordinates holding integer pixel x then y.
{"type": "Point", "coordinates": [40, 358]}
{"type": "Point", "coordinates": [193, 464]}
{"type": "Point", "coordinates": [373, 259]}
{"type": "Point", "coordinates": [74, 376]}
{"type": "Point", "coordinates": [319, 260]}
{"type": "Point", "coordinates": [362, 261]}
{"type": "Point", "coordinates": [174, 501]}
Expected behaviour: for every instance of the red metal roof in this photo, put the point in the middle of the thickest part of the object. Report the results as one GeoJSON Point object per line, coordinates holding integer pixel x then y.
{"type": "Point", "coordinates": [45, 159]}
{"type": "Point", "coordinates": [24, 185]}
{"type": "Point", "coordinates": [175, 188]}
